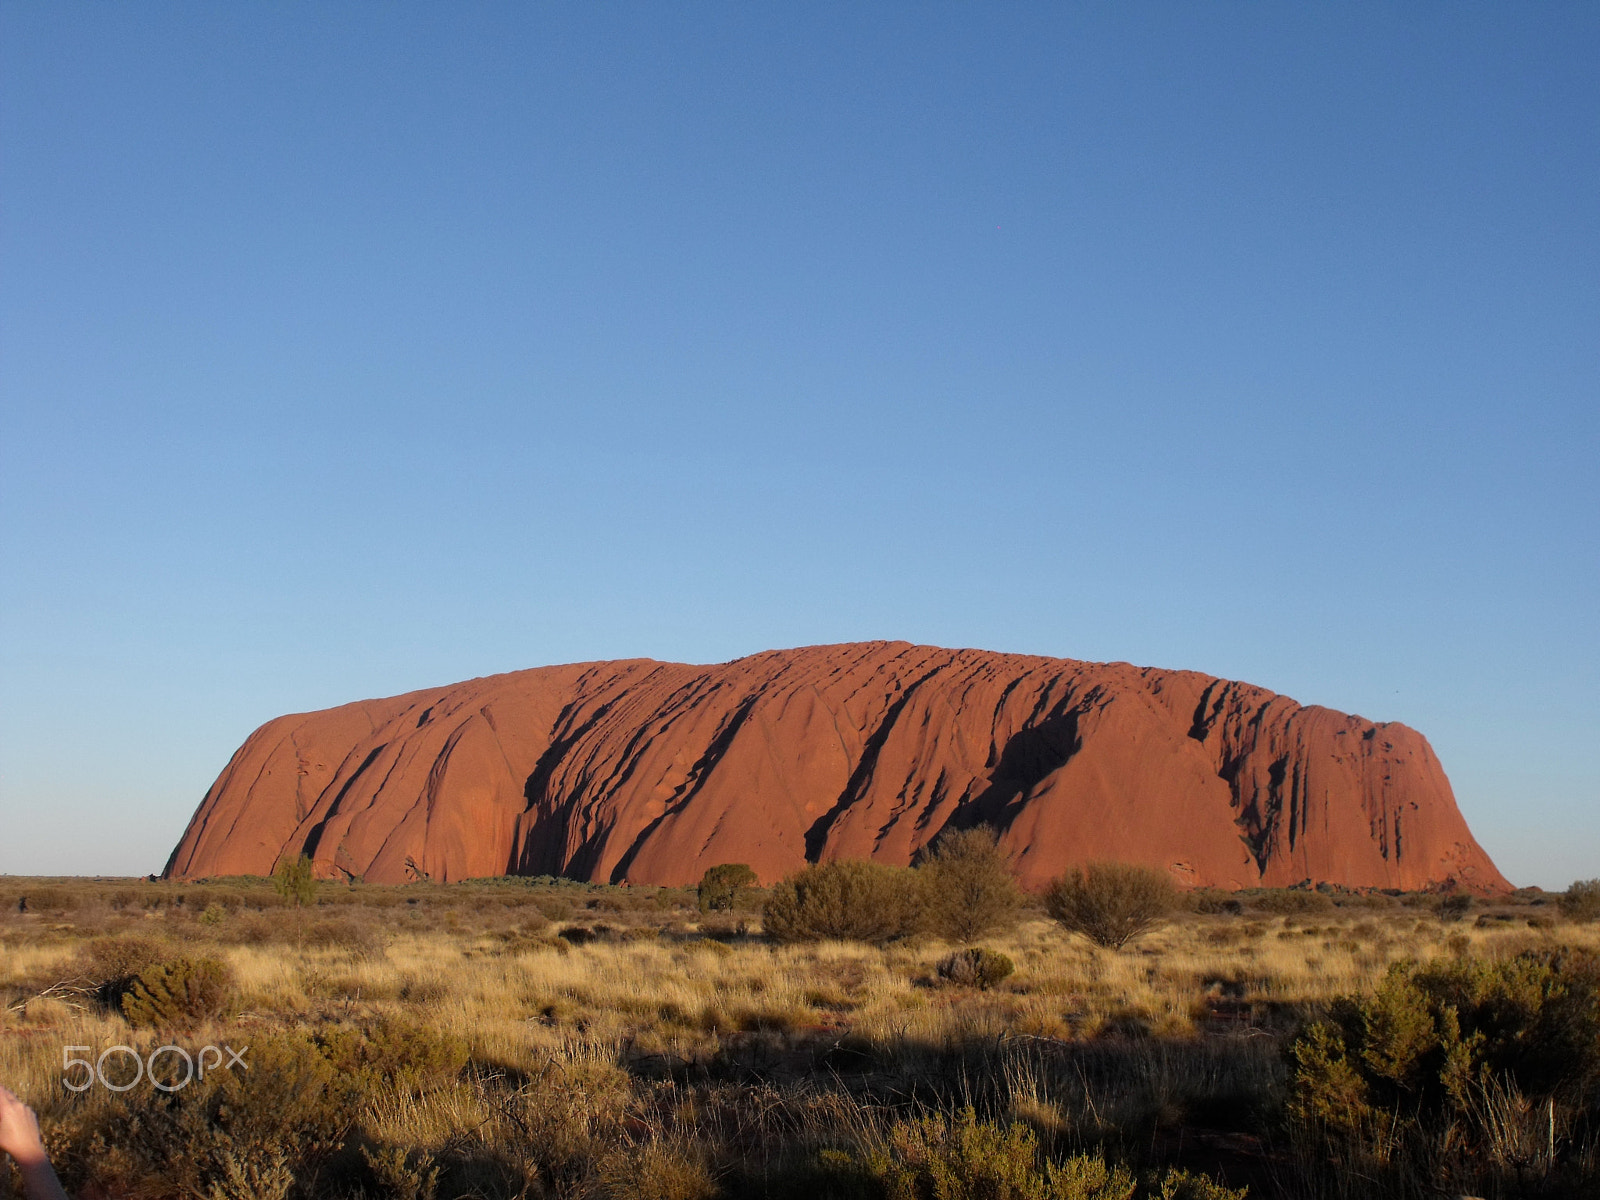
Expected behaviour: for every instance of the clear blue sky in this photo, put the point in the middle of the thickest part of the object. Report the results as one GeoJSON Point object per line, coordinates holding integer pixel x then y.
{"type": "Point", "coordinates": [352, 348]}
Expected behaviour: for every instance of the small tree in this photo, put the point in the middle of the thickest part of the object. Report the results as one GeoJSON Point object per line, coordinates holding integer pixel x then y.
{"type": "Point", "coordinates": [1111, 903]}
{"type": "Point", "coordinates": [295, 881]}
{"type": "Point", "coordinates": [1581, 901]}
{"type": "Point", "coordinates": [850, 899]}
{"type": "Point", "coordinates": [720, 886]}
{"type": "Point", "coordinates": [968, 886]}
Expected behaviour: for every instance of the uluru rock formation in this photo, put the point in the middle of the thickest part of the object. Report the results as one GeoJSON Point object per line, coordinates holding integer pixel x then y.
{"type": "Point", "coordinates": [648, 772]}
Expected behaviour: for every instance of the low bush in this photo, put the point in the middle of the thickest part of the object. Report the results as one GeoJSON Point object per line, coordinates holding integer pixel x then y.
{"type": "Point", "coordinates": [395, 1055]}
{"type": "Point", "coordinates": [1215, 902]}
{"type": "Point", "coordinates": [1472, 1053]}
{"type": "Point", "coordinates": [50, 901]}
{"type": "Point", "coordinates": [1111, 903]}
{"type": "Point", "coordinates": [657, 1170]}
{"type": "Point", "coordinates": [177, 993]}
{"type": "Point", "coordinates": [963, 1158]}
{"type": "Point", "coordinates": [342, 934]}
{"type": "Point", "coordinates": [112, 962]}
{"type": "Point", "coordinates": [1287, 901]}
{"type": "Point", "coordinates": [850, 900]}
{"type": "Point", "coordinates": [976, 967]}
{"type": "Point", "coordinates": [402, 1174]}
{"type": "Point", "coordinates": [1178, 1184]}
{"type": "Point", "coordinates": [253, 929]}
{"type": "Point", "coordinates": [244, 1134]}
{"type": "Point", "coordinates": [937, 1158]}
{"type": "Point", "coordinates": [1454, 906]}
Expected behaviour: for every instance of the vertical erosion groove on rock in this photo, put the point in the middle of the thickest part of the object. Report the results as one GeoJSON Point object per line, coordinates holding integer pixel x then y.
{"type": "Point", "coordinates": [645, 772]}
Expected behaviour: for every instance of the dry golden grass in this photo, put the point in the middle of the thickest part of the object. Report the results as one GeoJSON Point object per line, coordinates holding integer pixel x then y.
{"type": "Point", "coordinates": [684, 995]}
{"type": "Point", "coordinates": [638, 1029]}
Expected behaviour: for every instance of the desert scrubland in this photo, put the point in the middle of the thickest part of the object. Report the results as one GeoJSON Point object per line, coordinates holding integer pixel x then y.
{"type": "Point", "coordinates": [541, 1038]}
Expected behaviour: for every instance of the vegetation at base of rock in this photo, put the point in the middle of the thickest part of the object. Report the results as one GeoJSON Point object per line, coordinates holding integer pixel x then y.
{"type": "Point", "coordinates": [1111, 903]}
{"type": "Point", "coordinates": [721, 886]}
{"type": "Point", "coordinates": [848, 900]}
{"type": "Point", "coordinates": [968, 888]}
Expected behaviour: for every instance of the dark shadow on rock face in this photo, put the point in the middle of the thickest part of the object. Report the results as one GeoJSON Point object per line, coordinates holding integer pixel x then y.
{"type": "Point", "coordinates": [1028, 758]}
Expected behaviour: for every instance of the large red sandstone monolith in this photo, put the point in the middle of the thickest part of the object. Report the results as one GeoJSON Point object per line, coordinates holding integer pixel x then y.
{"type": "Point", "coordinates": [646, 772]}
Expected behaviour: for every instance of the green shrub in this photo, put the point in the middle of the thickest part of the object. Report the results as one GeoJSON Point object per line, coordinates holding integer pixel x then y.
{"type": "Point", "coordinates": [402, 1175]}
{"type": "Point", "coordinates": [850, 900]}
{"type": "Point", "coordinates": [1465, 1044]}
{"type": "Point", "coordinates": [939, 1158]}
{"type": "Point", "coordinates": [721, 885]}
{"type": "Point", "coordinates": [240, 1134]}
{"type": "Point", "coordinates": [1581, 901]}
{"type": "Point", "coordinates": [968, 886]}
{"type": "Point", "coordinates": [180, 992]}
{"type": "Point", "coordinates": [245, 1177]}
{"type": "Point", "coordinates": [1111, 903]}
{"type": "Point", "coordinates": [976, 967]}
{"type": "Point", "coordinates": [395, 1055]}
{"type": "Point", "coordinates": [967, 1159]}
{"type": "Point", "coordinates": [1178, 1184]}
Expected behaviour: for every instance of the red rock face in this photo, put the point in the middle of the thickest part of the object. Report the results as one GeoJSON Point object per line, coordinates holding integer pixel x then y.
{"type": "Point", "coordinates": [648, 772]}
